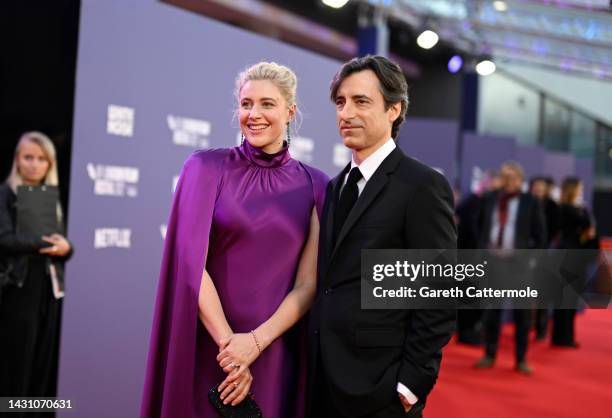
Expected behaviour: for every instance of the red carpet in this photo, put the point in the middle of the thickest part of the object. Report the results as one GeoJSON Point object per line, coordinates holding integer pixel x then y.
{"type": "Point", "coordinates": [567, 382]}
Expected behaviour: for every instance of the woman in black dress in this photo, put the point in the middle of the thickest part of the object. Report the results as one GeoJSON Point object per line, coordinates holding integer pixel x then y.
{"type": "Point", "coordinates": [30, 310]}
{"type": "Point", "coordinates": [576, 229]}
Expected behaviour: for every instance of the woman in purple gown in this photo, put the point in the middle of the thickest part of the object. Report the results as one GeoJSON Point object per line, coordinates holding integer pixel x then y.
{"type": "Point", "coordinates": [239, 266]}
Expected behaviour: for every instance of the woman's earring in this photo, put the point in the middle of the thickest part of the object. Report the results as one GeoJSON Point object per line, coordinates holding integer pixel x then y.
{"type": "Point", "coordinates": [241, 139]}
{"type": "Point", "coordinates": [288, 134]}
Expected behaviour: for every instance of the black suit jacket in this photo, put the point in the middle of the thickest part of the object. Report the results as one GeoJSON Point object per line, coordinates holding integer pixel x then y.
{"type": "Point", "coordinates": [365, 353]}
{"type": "Point", "coordinates": [530, 225]}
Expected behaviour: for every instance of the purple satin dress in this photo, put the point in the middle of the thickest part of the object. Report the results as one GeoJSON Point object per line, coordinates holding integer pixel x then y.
{"type": "Point", "coordinates": [254, 209]}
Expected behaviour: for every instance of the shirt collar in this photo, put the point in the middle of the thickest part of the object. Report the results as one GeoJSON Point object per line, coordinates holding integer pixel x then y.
{"type": "Point", "coordinates": [369, 166]}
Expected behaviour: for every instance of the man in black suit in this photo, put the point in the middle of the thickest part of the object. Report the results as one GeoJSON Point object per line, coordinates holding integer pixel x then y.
{"type": "Point", "coordinates": [375, 363]}
{"type": "Point", "coordinates": [541, 189]}
{"type": "Point", "coordinates": [510, 219]}
{"type": "Point", "coordinates": [469, 321]}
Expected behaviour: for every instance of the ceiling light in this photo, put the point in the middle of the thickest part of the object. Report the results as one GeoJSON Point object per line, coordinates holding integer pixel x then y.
{"type": "Point", "coordinates": [485, 67]}
{"type": "Point", "coordinates": [455, 64]}
{"type": "Point", "coordinates": [336, 4]}
{"type": "Point", "coordinates": [428, 39]}
{"type": "Point", "coordinates": [500, 6]}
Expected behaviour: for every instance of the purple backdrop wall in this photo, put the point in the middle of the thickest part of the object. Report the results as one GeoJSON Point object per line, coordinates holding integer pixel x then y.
{"type": "Point", "coordinates": [433, 142]}
{"type": "Point", "coordinates": [559, 165]}
{"type": "Point", "coordinates": [483, 152]}
{"type": "Point", "coordinates": [153, 84]}
{"type": "Point", "coordinates": [531, 158]}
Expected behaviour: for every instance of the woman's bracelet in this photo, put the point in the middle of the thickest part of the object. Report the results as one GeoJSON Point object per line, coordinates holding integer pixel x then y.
{"type": "Point", "coordinates": [256, 341]}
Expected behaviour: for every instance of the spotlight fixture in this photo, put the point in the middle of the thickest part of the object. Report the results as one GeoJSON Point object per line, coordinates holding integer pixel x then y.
{"type": "Point", "coordinates": [428, 39]}
{"type": "Point", "coordinates": [485, 67]}
{"type": "Point", "coordinates": [455, 64]}
{"type": "Point", "coordinates": [500, 6]}
{"type": "Point", "coordinates": [336, 4]}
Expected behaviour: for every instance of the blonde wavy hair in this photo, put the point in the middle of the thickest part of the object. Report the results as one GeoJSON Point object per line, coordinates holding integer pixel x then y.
{"type": "Point", "coordinates": [51, 178]}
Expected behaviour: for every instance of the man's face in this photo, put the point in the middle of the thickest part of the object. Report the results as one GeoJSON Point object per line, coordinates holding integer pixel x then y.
{"type": "Point", "coordinates": [538, 189]}
{"type": "Point", "coordinates": [363, 122]}
{"type": "Point", "coordinates": [511, 179]}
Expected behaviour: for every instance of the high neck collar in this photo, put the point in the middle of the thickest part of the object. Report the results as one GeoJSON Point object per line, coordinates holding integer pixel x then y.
{"type": "Point", "coordinates": [262, 159]}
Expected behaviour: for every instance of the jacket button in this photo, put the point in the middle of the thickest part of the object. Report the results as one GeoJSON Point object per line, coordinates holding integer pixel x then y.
{"type": "Point", "coordinates": [328, 291]}
{"type": "Point", "coordinates": [316, 332]}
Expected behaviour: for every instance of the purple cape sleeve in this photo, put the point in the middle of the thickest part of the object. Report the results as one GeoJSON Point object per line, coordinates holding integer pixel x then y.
{"type": "Point", "coordinates": [168, 387]}
{"type": "Point", "coordinates": [319, 184]}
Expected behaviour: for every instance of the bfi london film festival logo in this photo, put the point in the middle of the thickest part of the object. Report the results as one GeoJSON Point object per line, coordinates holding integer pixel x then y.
{"type": "Point", "coordinates": [120, 121]}
{"type": "Point", "coordinates": [189, 132]}
{"type": "Point", "coordinates": [113, 238]}
{"type": "Point", "coordinates": [110, 180]}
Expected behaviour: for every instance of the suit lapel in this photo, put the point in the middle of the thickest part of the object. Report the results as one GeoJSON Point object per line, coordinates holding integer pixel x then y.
{"type": "Point", "coordinates": [373, 187]}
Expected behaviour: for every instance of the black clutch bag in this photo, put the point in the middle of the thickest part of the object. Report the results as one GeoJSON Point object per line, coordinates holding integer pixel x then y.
{"type": "Point", "coordinates": [248, 408]}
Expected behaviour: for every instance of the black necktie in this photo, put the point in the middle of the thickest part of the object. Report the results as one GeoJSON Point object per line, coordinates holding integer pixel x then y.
{"type": "Point", "coordinates": [348, 197]}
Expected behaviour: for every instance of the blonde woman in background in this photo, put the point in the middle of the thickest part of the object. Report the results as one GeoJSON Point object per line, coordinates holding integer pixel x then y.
{"type": "Point", "coordinates": [576, 231]}
{"type": "Point", "coordinates": [29, 311]}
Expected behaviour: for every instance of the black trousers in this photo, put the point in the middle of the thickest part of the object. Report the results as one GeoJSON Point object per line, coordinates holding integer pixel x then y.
{"type": "Point", "coordinates": [563, 327]}
{"type": "Point", "coordinates": [323, 405]}
{"type": "Point", "coordinates": [541, 322]}
{"type": "Point", "coordinates": [468, 326]}
{"type": "Point", "coordinates": [493, 327]}
{"type": "Point", "coordinates": [29, 338]}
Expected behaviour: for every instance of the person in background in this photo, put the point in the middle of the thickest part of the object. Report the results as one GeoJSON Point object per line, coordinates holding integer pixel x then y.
{"type": "Point", "coordinates": [469, 321]}
{"type": "Point", "coordinates": [510, 220]}
{"type": "Point", "coordinates": [538, 187]}
{"type": "Point", "coordinates": [576, 229]}
{"type": "Point", "coordinates": [30, 314]}
{"type": "Point", "coordinates": [541, 188]}
{"type": "Point", "coordinates": [551, 211]}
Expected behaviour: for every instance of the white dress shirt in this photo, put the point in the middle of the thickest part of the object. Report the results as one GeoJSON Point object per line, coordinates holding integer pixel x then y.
{"type": "Point", "coordinates": [368, 167]}
{"type": "Point", "coordinates": [370, 164]}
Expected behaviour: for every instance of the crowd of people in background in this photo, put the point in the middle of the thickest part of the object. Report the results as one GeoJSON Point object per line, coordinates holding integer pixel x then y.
{"type": "Point", "coordinates": [507, 212]}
